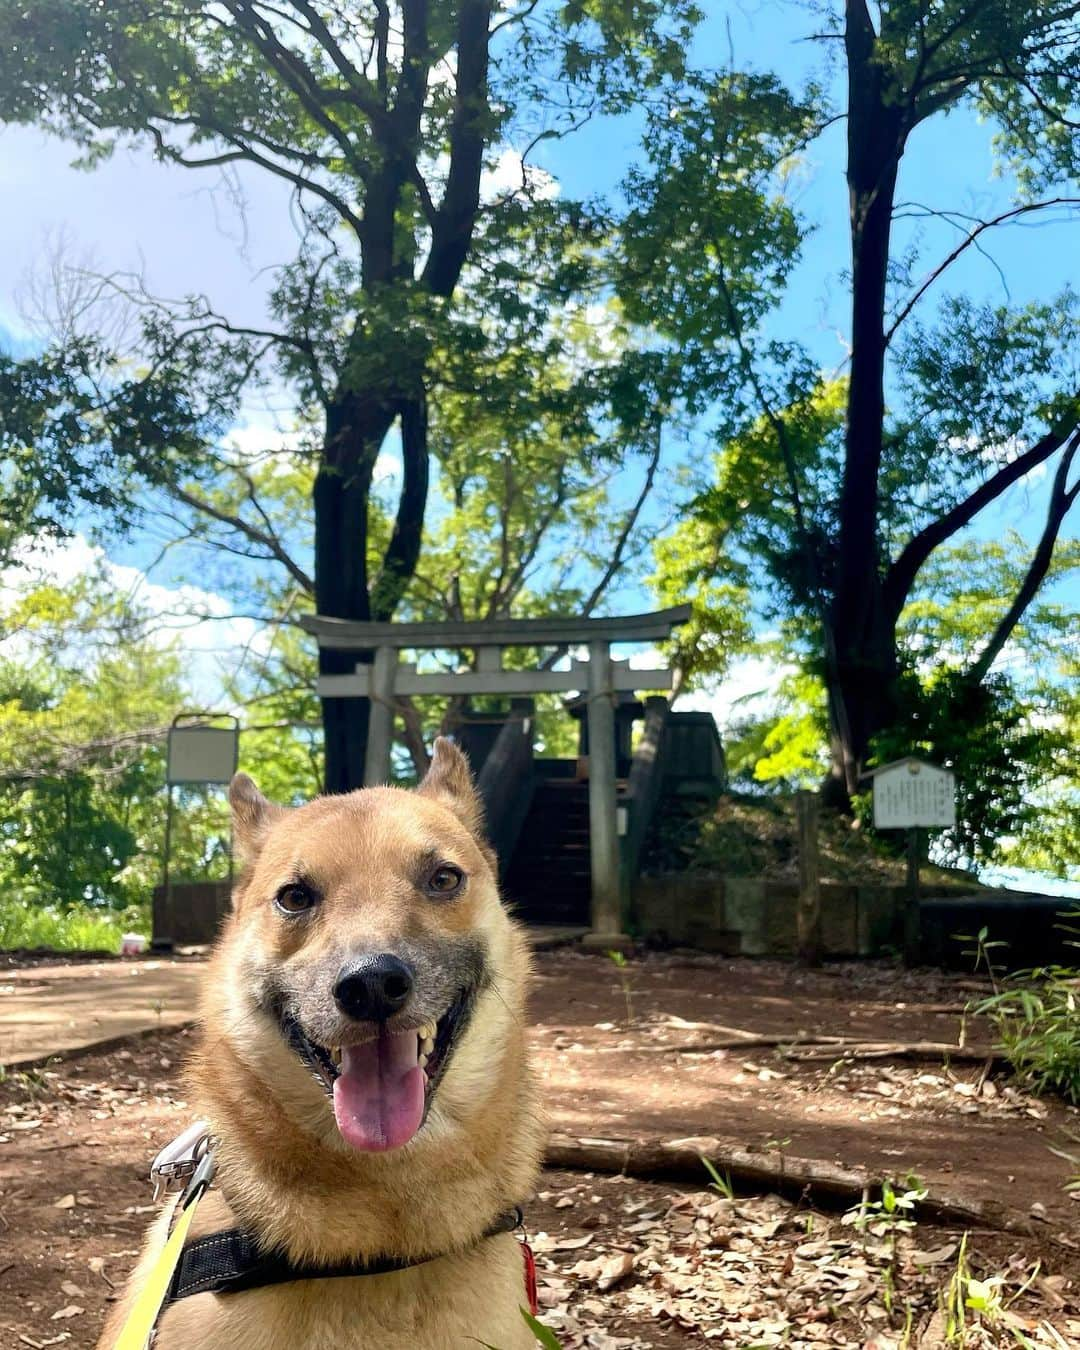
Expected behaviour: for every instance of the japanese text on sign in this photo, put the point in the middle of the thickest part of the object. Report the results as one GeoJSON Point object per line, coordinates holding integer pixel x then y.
{"type": "Point", "coordinates": [910, 795]}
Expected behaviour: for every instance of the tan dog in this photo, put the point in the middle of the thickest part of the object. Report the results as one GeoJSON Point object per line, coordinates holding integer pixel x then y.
{"type": "Point", "coordinates": [362, 1063]}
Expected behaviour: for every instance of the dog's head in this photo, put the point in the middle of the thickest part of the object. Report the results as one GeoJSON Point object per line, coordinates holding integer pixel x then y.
{"type": "Point", "coordinates": [368, 928]}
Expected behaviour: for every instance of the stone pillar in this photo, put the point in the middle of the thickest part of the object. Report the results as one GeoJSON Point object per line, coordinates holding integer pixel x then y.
{"type": "Point", "coordinates": [381, 721]}
{"type": "Point", "coordinates": [607, 919]}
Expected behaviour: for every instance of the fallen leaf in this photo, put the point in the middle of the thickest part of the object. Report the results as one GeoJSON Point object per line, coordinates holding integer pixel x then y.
{"type": "Point", "coordinates": [614, 1270]}
{"type": "Point", "coordinates": [70, 1310]}
{"type": "Point", "coordinates": [65, 1202]}
{"type": "Point", "coordinates": [936, 1256]}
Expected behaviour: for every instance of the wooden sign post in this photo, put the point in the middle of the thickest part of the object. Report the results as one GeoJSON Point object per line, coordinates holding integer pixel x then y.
{"type": "Point", "coordinates": [913, 795]}
{"type": "Point", "coordinates": [809, 910]}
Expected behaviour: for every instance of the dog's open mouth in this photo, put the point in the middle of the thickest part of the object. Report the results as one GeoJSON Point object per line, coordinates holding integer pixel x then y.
{"type": "Point", "coordinates": [381, 1089]}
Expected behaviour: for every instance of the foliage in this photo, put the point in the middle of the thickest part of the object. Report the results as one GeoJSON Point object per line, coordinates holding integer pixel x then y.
{"type": "Point", "coordinates": [1036, 1020]}
{"type": "Point", "coordinates": [76, 929]}
{"type": "Point", "coordinates": [836, 496]}
{"type": "Point", "coordinates": [86, 695]}
{"type": "Point", "coordinates": [984, 733]}
{"type": "Point", "coordinates": [382, 120]}
{"type": "Point", "coordinates": [711, 236]}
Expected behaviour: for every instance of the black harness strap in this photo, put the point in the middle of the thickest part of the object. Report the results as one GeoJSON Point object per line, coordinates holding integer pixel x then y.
{"type": "Point", "coordinates": [231, 1261]}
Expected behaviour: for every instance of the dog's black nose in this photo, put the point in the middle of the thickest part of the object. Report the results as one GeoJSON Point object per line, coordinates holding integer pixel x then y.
{"type": "Point", "coordinates": [373, 988]}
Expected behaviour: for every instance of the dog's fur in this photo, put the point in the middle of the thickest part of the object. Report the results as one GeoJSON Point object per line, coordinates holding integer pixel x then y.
{"type": "Point", "coordinates": [285, 1173]}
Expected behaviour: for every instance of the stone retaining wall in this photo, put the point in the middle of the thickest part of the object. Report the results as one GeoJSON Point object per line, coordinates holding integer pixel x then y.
{"type": "Point", "coordinates": [747, 916]}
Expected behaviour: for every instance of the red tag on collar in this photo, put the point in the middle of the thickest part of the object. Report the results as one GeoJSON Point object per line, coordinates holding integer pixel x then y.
{"type": "Point", "coordinates": [530, 1278]}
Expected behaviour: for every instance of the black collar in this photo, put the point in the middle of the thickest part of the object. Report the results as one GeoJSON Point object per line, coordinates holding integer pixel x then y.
{"type": "Point", "coordinates": [231, 1261]}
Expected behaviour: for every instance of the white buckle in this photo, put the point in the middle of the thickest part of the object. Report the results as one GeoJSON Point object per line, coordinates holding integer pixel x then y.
{"type": "Point", "coordinates": [176, 1163]}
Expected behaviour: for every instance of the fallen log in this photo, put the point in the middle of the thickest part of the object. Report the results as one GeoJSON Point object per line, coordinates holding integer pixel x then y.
{"type": "Point", "coordinates": [814, 1048]}
{"type": "Point", "coordinates": [671, 1022]}
{"type": "Point", "coordinates": [654, 1159]}
{"type": "Point", "coordinates": [917, 1050]}
{"type": "Point", "coordinates": [741, 1042]}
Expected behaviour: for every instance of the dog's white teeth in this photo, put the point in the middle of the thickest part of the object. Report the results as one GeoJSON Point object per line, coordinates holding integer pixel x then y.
{"type": "Point", "coordinates": [427, 1045]}
{"type": "Point", "coordinates": [335, 1055]}
{"type": "Point", "coordinates": [426, 1032]}
{"type": "Point", "coordinates": [422, 1060]}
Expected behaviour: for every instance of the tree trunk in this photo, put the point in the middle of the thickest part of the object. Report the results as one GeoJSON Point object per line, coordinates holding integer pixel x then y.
{"type": "Point", "coordinates": [356, 428]}
{"type": "Point", "coordinates": [865, 637]}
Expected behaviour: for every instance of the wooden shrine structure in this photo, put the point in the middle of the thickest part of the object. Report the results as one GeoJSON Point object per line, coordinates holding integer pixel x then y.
{"type": "Point", "coordinates": [600, 680]}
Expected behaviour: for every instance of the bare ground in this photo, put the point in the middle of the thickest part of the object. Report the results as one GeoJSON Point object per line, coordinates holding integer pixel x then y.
{"type": "Point", "coordinates": [628, 1262]}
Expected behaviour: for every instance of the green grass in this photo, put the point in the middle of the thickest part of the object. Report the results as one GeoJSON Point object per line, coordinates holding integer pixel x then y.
{"type": "Point", "coordinates": [25, 924]}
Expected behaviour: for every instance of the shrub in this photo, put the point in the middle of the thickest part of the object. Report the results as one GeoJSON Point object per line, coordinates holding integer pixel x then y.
{"type": "Point", "coordinates": [79, 928]}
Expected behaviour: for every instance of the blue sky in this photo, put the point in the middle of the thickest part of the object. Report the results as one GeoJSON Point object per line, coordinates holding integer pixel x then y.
{"type": "Point", "coordinates": [185, 232]}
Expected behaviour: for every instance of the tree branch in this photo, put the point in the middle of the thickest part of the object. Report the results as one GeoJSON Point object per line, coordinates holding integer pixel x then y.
{"type": "Point", "coordinates": [297, 75]}
{"type": "Point", "coordinates": [451, 233]}
{"type": "Point", "coordinates": [632, 515]}
{"type": "Point", "coordinates": [901, 575]}
{"type": "Point", "coordinates": [972, 236]}
{"type": "Point", "coordinates": [267, 540]}
{"type": "Point", "coordinates": [403, 551]}
{"type": "Point", "coordinates": [1061, 499]}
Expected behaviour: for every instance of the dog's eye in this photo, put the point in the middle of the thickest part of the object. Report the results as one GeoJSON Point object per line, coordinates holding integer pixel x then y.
{"type": "Point", "coordinates": [295, 898]}
{"type": "Point", "coordinates": [446, 880]}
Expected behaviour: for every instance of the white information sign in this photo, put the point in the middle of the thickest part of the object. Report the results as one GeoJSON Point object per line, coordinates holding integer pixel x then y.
{"type": "Point", "coordinates": [201, 754]}
{"type": "Point", "coordinates": [911, 794]}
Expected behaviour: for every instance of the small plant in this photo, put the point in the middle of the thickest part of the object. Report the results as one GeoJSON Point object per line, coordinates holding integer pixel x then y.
{"type": "Point", "coordinates": [888, 1218]}
{"type": "Point", "coordinates": [1036, 1018]}
{"type": "Point", "coordinates": [981, 953]}
{"type": "Point", "coordinates": [618, 959]}
{"type": "Point", "coordinates": [544, 1335]}
{"type": "Point", "coordinates": [894, 1212]}
{"type": "Point", "coordinates": [1071, 1156]}
{"type": "Point", "coordinates": [972, 1304]}
{"type": "Point", "coordinates": [720, 1184]}
{"type": "Point", "coordinates": [33, 1083]}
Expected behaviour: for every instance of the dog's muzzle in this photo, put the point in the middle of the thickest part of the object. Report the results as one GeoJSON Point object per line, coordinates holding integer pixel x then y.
{"type": "Point", "coordinates": [381, 1089]}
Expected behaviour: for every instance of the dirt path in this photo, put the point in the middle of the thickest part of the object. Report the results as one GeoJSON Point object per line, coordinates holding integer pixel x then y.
{"type": "Point", "coordinates": [892, 1118]}
{"type": "Point", "coordinates": [75, 1141]}
{"type": "Point", "coordinates": [49, 1007]}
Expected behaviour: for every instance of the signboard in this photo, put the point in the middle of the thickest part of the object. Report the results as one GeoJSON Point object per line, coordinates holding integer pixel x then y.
{"type": "Point", "coordinates": [201, 754]}
{"type": "Point", "coordinates": [912, 794]}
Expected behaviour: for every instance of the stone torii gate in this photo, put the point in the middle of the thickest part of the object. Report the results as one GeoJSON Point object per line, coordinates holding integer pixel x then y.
{"type": "Point", "coordinates": [600, 678]}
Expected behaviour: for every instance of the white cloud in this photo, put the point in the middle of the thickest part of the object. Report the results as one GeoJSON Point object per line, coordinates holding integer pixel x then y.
{"type": "Point", "coordinates": [749, 690]}
{"type": "Point", "coordinates": [509, 175]}
{"type": "Point", "coordinates": [212, 645]}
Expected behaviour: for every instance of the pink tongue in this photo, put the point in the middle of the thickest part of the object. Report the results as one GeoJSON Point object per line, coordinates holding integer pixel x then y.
{"type": "Point", "coordinates": [379, 1095]}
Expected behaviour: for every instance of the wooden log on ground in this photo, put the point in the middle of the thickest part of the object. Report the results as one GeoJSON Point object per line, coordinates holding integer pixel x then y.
{"type": "Point", "coordinates": [814, 1048]}
{"type": "Point", "coordinates": [746, 1041]}
{"type": "Point", "coordinates": [654, 1159]}
{"type": "Point", "coordinates": [916, 1050]}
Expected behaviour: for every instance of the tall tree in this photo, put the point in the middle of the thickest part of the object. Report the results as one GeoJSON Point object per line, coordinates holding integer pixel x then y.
{"type": "Point", "coordinates": [939, 419]}
{"type": "Point", "coordinates": [532, 511]}
{"type": "Point", "coordinates": [381, 117]}
{"type": "Point", "coordinates": [1021, 65]}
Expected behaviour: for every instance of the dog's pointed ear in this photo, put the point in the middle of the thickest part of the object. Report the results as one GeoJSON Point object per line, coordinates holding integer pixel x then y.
{"type": "Point", "coordinates": [252, 815]}
{"type": "Point", "coordinates": [449, 781]}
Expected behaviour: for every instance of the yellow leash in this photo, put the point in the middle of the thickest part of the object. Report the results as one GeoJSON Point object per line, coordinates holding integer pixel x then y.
{"type": "Point", "coordinates": [135, 1332]}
